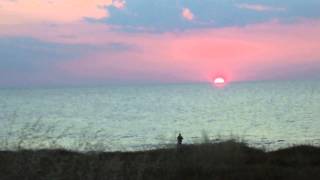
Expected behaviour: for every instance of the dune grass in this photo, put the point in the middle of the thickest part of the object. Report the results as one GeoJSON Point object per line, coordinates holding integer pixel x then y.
{"type": "Point", "coordinates": [229, 159]}
{"type": "Point", "coordinates": [223, 160]}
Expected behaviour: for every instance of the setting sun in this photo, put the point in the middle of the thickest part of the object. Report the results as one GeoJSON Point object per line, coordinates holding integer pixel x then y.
{"type": "Point", "coordinates": [219, 80]}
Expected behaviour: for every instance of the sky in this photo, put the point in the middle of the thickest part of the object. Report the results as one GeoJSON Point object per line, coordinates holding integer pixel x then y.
{"type": "Point", "coordinates": [79, 42]}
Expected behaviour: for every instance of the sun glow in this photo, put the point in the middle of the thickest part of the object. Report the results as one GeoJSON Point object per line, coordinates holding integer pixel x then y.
{"type": "Point", "coordinates": [219, 82]}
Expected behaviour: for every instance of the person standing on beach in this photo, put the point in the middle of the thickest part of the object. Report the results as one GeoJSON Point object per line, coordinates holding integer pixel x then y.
{"type": "Point", "coordinates": [179, 142]}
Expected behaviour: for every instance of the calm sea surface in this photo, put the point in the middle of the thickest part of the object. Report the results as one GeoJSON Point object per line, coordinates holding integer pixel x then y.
{"type": "Point", "coordinates": [268, 114]}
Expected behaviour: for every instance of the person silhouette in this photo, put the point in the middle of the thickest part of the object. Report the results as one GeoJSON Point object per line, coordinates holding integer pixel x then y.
{"type": "Point", "coordinates": [179, 142]}
{"type": "Point", "coordinates": [179, 139]}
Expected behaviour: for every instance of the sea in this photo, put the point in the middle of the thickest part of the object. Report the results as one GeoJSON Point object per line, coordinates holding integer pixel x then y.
{"type": "Point", "coordinates": [268, 115]}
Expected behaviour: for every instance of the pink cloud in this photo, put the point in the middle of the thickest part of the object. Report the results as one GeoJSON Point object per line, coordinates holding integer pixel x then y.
{"type": "Point", "coordinates": [187, 14]}
{"type": "Point", "coordinates": [120, 4]}
{"type": "Point", "coordinates": [251, 52]}
{"type": "Point", "coordinates": [259, 7]}
{"type": "Point", "coordinates": [197, 55]}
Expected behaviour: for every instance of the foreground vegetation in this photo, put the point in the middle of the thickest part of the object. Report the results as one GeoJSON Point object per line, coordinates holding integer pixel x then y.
{"type": "Point", "coordinates": [225, 160]}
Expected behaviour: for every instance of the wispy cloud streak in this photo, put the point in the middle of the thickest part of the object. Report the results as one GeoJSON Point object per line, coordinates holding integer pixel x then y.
{"type": "Point", "coordinates": [259, 7]}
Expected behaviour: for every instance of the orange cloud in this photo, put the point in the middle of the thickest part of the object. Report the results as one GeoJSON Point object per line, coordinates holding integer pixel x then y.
{"type": "Point", "coordinates": [62, 11]}
{"type": "Point", "coordinates": [187, 14]}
